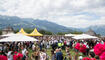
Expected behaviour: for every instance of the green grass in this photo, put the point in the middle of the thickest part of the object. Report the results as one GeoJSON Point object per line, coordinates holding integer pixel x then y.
{"type": "Point", "coordinates": [30, 52]}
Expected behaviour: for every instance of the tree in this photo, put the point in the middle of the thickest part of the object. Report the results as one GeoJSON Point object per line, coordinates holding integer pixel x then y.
{"type": "Point", "coordinates": [44, 32]}
{"type": "Point", "coordinates": [48, 33]}
{"type": "Point", "coordinates": [98, 35]}
{"type": "Point", "coordinates": [28, 30]}
{"type": "Point", "coordinates": [76, 32]}
{"type": "Point", "coordinates": [16, 31]}
{"type": "Point", "coordinates": [61, 33]}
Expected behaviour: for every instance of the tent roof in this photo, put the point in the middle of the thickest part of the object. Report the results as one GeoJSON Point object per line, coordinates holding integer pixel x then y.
{"type": "Point", "coordinates": [84, 36]}
{"type": "Point", "coordinates": [10, 34]}
{"type": "Point", "coordinates": [72, 35]}
{"type": "Point", "coordinates": [18, 37]}
{"type": "Point", "coordinates": [22, 32]}
{"type": "Point", "coordinates": [35, 33]}
{"type": "Point", "coordinates": [8, 28]}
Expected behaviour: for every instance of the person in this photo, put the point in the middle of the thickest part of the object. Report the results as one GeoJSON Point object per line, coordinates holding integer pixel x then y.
{"type": "Point", "coordinates": [43, 55]}
{"type": "Point", "coordinates": [68, 57]}
{"type": "Point", "coordinates": [15, 56]}
{"type": "Point", "coordinates": [10, 54]}
{"type": "Point", "coordinates": [40, 45]}
{"type": "Point", "coordinates": [36, 55]}
{"type": "Point", "coordinates": [59, 54]}
{"type": "Point", "coordinates": [24, 53]}
{"type": "Point", "coordinates": [33, 47]}
{"type": "Point", "coordinates": [71, 43]}
{"type": "Point", "coordinates": [76, 56]}
{"type": "Point", "coordinates": [80, 57]}
{"type": "Point", "coordinates": [48, 46]}
{"type": "Point", "coordinates": [20, 55]}
{"type": "Point", "coordinates": [52, 55]}
{"type": "Point", "coordinates": [3, 56]}
{"type": "Point", "coordinates": [27, 57]}
{"type": "Point", "coordinates": [59, 44]}
{"type": "Point", "coordinates": [1, 47]}
{"type": "Point", "coordinates": [32, 57]}
{"type": "Point", "coordinates": [92, 55]}
{"type": "Point", "coordinates": [87, 50]}
{"type": "Point", "coordinates": [67, 49]}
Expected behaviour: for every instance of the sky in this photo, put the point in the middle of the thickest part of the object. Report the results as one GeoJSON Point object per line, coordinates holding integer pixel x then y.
{"type": "Point", "coordinates": [69, 13]}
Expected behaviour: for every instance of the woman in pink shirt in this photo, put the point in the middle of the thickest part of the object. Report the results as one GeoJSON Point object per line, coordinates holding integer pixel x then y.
{"type": "Point", "coordinates": [15, 56]}
{"type": "Point", "coordinates": [4, 57]}
{"type": "Point", "coordinates": [20, 55]}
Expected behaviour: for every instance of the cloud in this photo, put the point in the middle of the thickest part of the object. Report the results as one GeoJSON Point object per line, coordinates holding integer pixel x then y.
{"type": "Point", "coordinates": [70, 13]}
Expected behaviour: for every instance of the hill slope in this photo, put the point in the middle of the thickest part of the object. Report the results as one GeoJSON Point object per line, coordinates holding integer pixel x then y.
{"type": "Point", "coordinates": [17, 23]}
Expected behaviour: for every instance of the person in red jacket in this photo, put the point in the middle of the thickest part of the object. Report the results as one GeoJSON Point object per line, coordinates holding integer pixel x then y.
{"type": "Point", "coordinates": [15, 56]}
{"type": "Point", "coordinates": [19, 56]}
{"type": "Point", "coordinates": [3, 56]}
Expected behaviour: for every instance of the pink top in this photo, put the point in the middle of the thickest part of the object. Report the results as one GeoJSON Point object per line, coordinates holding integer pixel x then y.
{"type": "Point", "coordinates": [15, 57]}
{"type": "Point", "coordinates": [2, 57]}
{"type": "Point", "coordinates": [20, 56]}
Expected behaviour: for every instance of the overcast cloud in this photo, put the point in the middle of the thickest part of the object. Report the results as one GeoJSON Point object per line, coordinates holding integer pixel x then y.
{"type": "Point", "coordinates": [70, 13]}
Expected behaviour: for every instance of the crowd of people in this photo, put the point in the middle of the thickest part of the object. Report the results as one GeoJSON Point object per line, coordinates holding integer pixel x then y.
{"type": "Point", "coordinates": [59, 48]}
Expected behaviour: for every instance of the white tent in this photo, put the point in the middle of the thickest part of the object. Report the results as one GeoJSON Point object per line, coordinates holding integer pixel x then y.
{"type": "Point", "coordinates": [18, 37]}
{"type": "Point", "coordinates": [72, 35]}
{"type": "Point", "coordinates": [10, 34]}
{"type": "Point", "coordinates": [84, 36]}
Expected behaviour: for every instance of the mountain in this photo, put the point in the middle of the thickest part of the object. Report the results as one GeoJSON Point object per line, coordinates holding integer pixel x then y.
{"type": "Point", "coordinates": [18, 23]}
{"type": "Point", "coordinates": [99, 29]}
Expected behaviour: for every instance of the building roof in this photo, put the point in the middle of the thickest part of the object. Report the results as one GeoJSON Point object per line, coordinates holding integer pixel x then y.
{"type": "Point", "coordinates": [8, 29]}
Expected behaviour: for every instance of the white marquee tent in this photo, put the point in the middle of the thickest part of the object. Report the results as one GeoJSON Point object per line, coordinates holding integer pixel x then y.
{"type": "Point", "coordinates": [72, 35]}
{"type": "Point", "coordinates": [17, 37]}
{"type": "Point", "coordinates": [84, 36]}
{"type": "Point", "coordinates": [10, 34]}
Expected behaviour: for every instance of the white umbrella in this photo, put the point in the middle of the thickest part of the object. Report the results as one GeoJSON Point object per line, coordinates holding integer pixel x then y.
{"type": "Point", "coordinates": [84, 36]}
{"type": "Point", "coordinates": [18, 37]}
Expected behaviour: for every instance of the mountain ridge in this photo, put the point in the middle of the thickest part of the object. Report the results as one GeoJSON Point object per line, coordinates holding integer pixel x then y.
{"type": "Point", "coordinates": [17, 23]}
{"type": "Point", "coordinates": [98, 29]}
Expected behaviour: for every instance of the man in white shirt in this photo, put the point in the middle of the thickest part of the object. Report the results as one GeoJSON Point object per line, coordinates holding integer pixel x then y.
{"type": "Point", "coordinates": [80, 57]}
{"type": "Point", "coordinates": [33, 47]}
{"type": "Point", "coordinates": [10, 55]}
{"type": "Point", "coordinates": [24, 53]}
{"type": "Point", "coordinates": [0, 47]}
{"type": "Point", "coordinates": [43, 55]}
